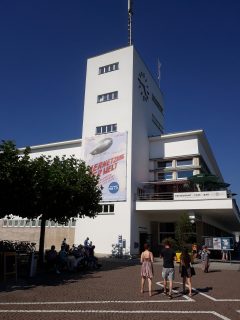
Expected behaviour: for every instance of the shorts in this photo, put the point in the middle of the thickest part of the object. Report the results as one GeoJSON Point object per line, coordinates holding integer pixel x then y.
{"type": "Point", "coordinates": [168, 273]}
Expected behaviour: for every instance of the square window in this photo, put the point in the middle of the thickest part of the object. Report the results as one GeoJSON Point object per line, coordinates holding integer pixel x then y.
{"type": "Point", "coordinates": [111, 208]}
{"type": "Point", "coordinates": [114, 127]}
{"type": "Point", "coordinates": [98, 130]}
{"type": "Point", "coordinates": [5, 223]}
{"type": "Point", "coordinates": [27, 223]}
{"type": "Point", "coordinates": [184, 174]}
{"type": "Point", "coordinates": [109, 128]}
{"type": "Point", "coordinates": [164, 164]}
{"type": "Point", "coordinates": [185, 162]}
{"type": "Point", "coordinates": [165, 176]}
{"type": "Point", "coordinates": [105, 208]}
{"type": "Point", "coordinates": [104, 129]}
{"type": "Point", "coordinates": [22, 223]}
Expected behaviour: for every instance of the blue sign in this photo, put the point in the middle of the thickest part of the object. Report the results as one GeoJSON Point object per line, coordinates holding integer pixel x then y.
{"type": "Point", "coordinates": [113, 187]}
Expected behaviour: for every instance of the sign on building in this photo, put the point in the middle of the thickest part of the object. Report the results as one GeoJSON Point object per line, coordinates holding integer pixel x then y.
{"type": "Point", "coordinates": [205, 195]}
{"type": "Point", "coordinates": [106, 155]}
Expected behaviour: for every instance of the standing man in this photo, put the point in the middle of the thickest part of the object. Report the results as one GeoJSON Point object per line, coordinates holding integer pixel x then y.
{"type": "Point", "coordinates": [168, 256]}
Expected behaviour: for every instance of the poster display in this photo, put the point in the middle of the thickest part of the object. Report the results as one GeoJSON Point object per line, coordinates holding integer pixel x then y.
{"type": "Point", "coordinates": [106, 155]}
{"type": "Point", "coordinates": [219, 243]}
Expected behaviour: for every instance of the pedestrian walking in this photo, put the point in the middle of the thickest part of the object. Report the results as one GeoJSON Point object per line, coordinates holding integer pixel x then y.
{"type": "Point", "coordinates": [168, 272]}
{"type": "Point", "coordinates": [147, 268]}
{"type": "Point", "coordinates": [205, 258]}
{"type": "Point", "coordinates": [185, 271]}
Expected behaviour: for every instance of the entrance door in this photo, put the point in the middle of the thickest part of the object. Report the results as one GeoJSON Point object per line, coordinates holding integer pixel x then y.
{"type": "Point", "coordinates": [144, 238]}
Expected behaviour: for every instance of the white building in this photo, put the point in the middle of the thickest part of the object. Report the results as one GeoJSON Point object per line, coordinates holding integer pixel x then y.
{"type": "Point", "coordinates": [144, 171]}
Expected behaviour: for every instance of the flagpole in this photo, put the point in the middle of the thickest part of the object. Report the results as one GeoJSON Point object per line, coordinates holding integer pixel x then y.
{"type": "Point", "coordinates": [130, 13]}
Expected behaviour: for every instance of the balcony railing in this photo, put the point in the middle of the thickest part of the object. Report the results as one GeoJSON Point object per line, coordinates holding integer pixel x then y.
{"type": "Point", "coordinates": [155, 196]}
{"type": "Point", "coordinates": [166, 196]}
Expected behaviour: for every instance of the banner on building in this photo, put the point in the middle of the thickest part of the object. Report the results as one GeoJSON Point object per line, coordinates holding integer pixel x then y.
{"type": "Point", "coordinates": [106, 155]}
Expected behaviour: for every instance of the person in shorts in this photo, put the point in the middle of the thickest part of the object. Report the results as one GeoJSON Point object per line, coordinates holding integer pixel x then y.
{"type": "Point", "coordinates": [168, 272]}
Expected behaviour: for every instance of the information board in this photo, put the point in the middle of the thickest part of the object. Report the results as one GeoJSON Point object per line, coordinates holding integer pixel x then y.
{"type": "Point", "coordinates": [219, 243]}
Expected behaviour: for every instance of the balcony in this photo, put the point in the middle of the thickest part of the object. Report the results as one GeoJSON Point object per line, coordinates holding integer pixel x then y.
{"type": "Point", "coordinates": [163, 199]}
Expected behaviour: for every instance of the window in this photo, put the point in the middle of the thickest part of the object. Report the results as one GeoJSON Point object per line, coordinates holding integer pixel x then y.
{"type": "Point", "coordinates": [27, 223]}
{"type": "Point", "coordinates": [106, 129]}
{"type": "Point", "coordinates": [22, 223]}
{"type": "Point", "coordinates": [107, 97]}
{"type": "Point", "coordinates": [184, 174]}
{"type": "Point", "coordinates": [164, 164]}
{"type": "Point", "coordinates": [15, 223]}
{"type": "Point", "coordinates": [157, 123]}
{"type": "Point", "coordinates": [165, 176]}
{"type": "Point", "coordinates": [10, 223]}
{"type": "Point", "coordinates": [5, 223]}
{"type": "Point", "coordinates": [109, 68]}
{"type": "Point", "coordinates": [184, 162]}
{"type": "Point", "coordinates": [157, 104]}
{"type": "Point", "coordinates": [107, 208]}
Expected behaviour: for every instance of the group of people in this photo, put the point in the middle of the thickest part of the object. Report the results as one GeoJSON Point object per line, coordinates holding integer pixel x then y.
{"type": "Point", "coordinates": [72, 258]}
{"type": "Point", "coordinates": [168, 272]}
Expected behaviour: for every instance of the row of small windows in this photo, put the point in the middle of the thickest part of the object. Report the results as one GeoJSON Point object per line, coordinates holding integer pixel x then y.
{"type": "Point", "coordinates": [106, 129]}
{"type": "Point", "coordinates": [184, 174]}
{"type": "Point", "coordinates": [107, 96]}
{"type": "Point", "coordinates": [179, 163]}
{"type": "Point", "coordinates": [109, 68]}
{"type": "Point", "coordinates": [157, 123]}
{"type": "Point", "coordinates": [107, 208]}
{"type": "Point", "coordinates": [35, 223]}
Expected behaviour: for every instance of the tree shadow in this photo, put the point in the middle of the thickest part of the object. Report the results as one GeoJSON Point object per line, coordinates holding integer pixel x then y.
{"type": "Point", "coordinates": [46, 278]}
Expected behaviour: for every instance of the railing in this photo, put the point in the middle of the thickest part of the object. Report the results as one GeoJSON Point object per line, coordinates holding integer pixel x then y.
{"type": "Point", "coordinates": [155, 196]}
{"type": "Point", "coordinates": [162, 196]}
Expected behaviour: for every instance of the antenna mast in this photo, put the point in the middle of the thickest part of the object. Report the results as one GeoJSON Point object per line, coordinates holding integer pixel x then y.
{"type": "Point", "coordinates": [130, 13]}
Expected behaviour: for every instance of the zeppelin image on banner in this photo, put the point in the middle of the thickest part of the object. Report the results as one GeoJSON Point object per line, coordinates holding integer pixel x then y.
{"type": "Point", "coordinates": [106, 155]}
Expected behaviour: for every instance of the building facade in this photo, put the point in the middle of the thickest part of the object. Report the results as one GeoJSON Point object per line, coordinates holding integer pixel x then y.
{"type": "Point", "coordinates": [144, 172]}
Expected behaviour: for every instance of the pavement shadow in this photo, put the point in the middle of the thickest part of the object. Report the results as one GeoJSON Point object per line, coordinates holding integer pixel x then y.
{"type": "Point", "coordinates": [206, 289]}
{"type": "Point", "coordinates": [44, 278]}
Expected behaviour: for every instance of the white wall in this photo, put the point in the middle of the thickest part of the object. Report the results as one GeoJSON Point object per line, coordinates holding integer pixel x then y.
{"type": "Point", "coordinates": [173, 147]}
{"type": "Point", "coordinates": [142, 128]}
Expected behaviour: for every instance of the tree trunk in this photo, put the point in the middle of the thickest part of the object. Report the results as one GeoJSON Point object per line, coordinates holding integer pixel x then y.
{"type": "Point", "coordinates": [41, 241]}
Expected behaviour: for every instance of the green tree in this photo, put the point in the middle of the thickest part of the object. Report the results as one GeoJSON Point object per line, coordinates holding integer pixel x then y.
{"type": "Point", "coordinates": [183, 231]}
{"type": "Point", "coordinates": [54, 189]}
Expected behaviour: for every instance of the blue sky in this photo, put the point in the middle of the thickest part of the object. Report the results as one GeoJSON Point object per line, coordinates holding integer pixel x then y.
{"type": "Point", "coordinates": [44, 45]}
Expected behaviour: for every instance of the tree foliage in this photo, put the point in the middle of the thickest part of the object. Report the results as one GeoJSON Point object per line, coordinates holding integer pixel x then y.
{"type": "Point", "coordinates": [54, 189]}
{"type": "Point", "coordinates": [183, 231]}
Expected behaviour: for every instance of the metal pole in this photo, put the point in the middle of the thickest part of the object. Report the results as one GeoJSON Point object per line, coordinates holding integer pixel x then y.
{"type": "Point", "coordinates": [130, 12]}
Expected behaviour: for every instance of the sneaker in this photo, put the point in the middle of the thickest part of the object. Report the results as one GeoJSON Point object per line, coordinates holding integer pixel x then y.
{"type": "Point", "coordinates": [170, 296]}
{"type": "Point", "coordinates": [165, 293]}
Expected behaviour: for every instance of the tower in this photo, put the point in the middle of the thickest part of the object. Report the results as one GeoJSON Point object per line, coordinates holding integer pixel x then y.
{"type": "Point", "coordinates": [121, 98]}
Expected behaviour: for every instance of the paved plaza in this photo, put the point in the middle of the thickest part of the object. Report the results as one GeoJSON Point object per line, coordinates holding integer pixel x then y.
{"type": "Point", "coordinates": [113, 292]}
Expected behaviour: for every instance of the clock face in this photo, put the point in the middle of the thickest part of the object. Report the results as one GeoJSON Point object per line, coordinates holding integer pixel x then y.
{"type": "Point", "coordinates": [143, 86]}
